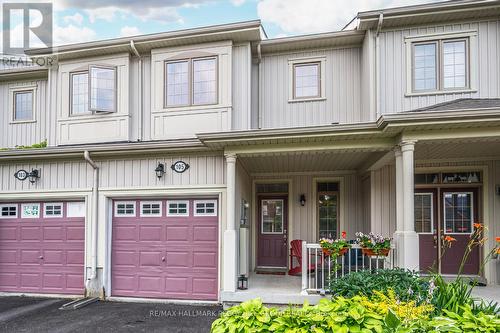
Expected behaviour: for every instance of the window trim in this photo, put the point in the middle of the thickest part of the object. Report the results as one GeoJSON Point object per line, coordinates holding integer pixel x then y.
{"type": "Point", "coordinates": [116, 214]}
{"type": "Point", "coordinates": [190, 62]}
{"type": "Point", "coordinates": [432, 213]}
{"type": "Point", "coordinates": [9, 205]}
{"type": "Point", "coordinates": [294, 78]}
{"type": "Point", "coordinates": [71, 74]}
{"type": "Point", "coordinates": [292, 63]}
{"type": "Point", "coordinates": [45, 204]}
{"type": "Point", "coordinates": [141, 213]}
{"type": "Point", "coordinates": [12, 103]}
{"type": "Point", "coordinates": [337, 194]}
{"type": "Point", "coordinates": [471, 66]}
{"type": "Point", "coordinates": [471, 193]}
{"type": "Point", "coordinates": [30, 217]}
{"type": "Point", "coordinates": [115, 88]}
{"type": "Point", "coordinates": [216, 207]}
{"type": "Point", "coordinates": [168, 214]}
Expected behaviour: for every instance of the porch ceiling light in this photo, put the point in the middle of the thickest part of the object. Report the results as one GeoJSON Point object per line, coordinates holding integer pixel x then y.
{"type": "Point", "coordinates": [34, 175]}
{"type": "Point", "coordinates": [302, 199]}
{"type": "Point", "coordinates": [160, 170]}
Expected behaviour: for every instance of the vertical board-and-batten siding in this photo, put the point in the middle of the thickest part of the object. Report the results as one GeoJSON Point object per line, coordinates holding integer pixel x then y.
{"type": "Point", "coordinates": [242, 62]}
{"type": "Point", "coordinates": [383, 200]}
{"type": "Point", "coordinates": [393, 65]}
{"type": "Point", "coordinates": [25, 134]}
{"type": "Point", "coordinates": [342, 90]}
{"type": "Point", "coordinates": [116, 173]}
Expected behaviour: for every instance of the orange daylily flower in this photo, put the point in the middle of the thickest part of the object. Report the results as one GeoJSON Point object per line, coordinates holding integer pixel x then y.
{"type": "Point", "coordinates": [344, 235]}
{"type": "Point", "coordinates": [478, 225]}
{"type": "Point", "coordinates": [497, 239]}
{"type": "Point", "coordinates": [450, 239]}
{"type": "Point", "coordinates": [498, 251]}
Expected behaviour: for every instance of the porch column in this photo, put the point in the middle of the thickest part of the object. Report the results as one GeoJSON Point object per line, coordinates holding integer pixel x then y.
{"type": "Point", "coordinates": [230, 250]}
{"type": "Point", "coordinates": [406, 238]}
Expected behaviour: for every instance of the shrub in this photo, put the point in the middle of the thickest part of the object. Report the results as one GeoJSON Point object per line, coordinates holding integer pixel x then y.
{"type": "Point", "coordinates": [407, 285]}
{"type": "Point", "coordinates": [357, 314]}
{"type": "Point", "coordinates": [465, 322]}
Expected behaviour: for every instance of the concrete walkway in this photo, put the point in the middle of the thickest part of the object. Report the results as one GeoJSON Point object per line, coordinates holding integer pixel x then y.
{"type": "Point", "coordinates": [489, 293]}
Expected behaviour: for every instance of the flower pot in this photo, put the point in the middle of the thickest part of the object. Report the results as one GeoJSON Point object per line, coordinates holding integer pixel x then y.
{"type": "Point", "coordinates": [327, 252]}
{"type": "Point", "coordinates": [343, 251]}
{"type": "Point", "coordinates": [371, 252]}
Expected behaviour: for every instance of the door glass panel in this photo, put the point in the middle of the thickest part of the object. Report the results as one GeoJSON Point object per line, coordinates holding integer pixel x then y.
{"type": "Point", "coordinates": [424, 212]}
{"type": "Point", "coordinates": [272, 216]}
{"type": "Point", "coordinates": [327, 212]}
{"type": "Point", "coordinates": [458, 212]}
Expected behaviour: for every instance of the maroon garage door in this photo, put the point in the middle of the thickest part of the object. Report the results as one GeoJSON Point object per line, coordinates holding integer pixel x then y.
{"type": "Point", "coordinates": [42, 247]}
{"type": "Point", "coordinates": [165, 249]}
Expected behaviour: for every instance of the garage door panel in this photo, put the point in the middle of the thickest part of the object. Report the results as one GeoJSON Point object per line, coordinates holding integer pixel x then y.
{"type": "Point", "coordinates": [8, 233]}
{"type": "Point", "coordinates": [30, 233]}
{"type": "Point", "coordinates": [47, 255]}
{"type": "Point", "coordinates": [150, 233]}
{"type": "Point", "coordinates": [188, 244]}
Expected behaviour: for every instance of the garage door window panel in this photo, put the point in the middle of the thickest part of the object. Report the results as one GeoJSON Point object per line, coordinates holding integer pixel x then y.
{"type": "Point", "coordinates": [30, 211]}
{"type": "Point", "coordinates": [151, 209]}
{"type": "Point", "coordinates": [8, 211]}
{"type": "Point", "coordinates": [205, 208]}
{"type": "Point", "coordinates": [125, 209]}
{"type": "Point", "coordinates": [53, 210]}
{"type": "Point", "coordinates": [178, 208]}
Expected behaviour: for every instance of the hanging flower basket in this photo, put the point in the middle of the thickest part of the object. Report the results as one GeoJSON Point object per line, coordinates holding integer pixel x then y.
{"type": "Point", "coordinates": [372, 252]}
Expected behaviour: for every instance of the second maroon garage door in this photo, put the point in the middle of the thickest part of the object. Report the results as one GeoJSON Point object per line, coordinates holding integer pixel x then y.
{"type": "Point", "coordinates": [165, 249]}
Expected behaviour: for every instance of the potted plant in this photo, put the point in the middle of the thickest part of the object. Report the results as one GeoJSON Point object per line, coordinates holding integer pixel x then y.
{"type": "Point", "coordinates": [335, 247]}
{"type": "Point", "coordinates": [373, 245]}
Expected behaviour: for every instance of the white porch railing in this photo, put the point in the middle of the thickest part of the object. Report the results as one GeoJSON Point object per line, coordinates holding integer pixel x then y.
{"type": "Point", "coordinates": [318, 269]}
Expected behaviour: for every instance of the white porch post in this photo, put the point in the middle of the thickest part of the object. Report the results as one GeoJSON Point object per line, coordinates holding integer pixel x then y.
{"type": "Point", "coordinates": [230, 250]}
{"type": "Point", "coordinates": [406, 238]}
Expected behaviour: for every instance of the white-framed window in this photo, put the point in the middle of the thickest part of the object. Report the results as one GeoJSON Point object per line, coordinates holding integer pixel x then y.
{"type": "Point", "coordinates": [8, 211]}
{"type": "Point", "coordinates": [93, 90]}
{"type": "Point", "coordinates": [30, 210]}
{"type": "Point", "coordinates": [151, 209]}
{"type": "Point", "coordinates": [441, 63]}
{"type": "Point", "coordinates": [178, 208]}
{"type": "Point", "coordinates": [424, 213]}
{"type": "Point", "coordinates": [51, 209]}
{"type": "Point", "coordinates": [191, 82]}
{"type": "Point", "coordinates": [458, 212]}
{"type": "Point", "coordinates": [24, 105]}
{"type": "Point", "coordinates": [75, 209]}
{"type": "Point", "coordinates": [307, 79]}
{"type": "Point", "coordinates": [205, 208]}
{"type": "Point", "coordinates": [125, 209]}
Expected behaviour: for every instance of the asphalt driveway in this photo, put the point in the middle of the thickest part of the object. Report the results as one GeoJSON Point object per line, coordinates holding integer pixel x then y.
{"type": "Point", "coordinates": [25, 314]}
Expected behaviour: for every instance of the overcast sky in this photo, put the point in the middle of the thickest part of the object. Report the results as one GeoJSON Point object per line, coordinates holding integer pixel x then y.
{"type": "Point", "coordinates": [84, 20]}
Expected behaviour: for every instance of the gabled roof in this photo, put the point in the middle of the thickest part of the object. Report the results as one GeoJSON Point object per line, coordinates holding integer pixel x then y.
{"type": "Point", "coordinates": [463, 104]}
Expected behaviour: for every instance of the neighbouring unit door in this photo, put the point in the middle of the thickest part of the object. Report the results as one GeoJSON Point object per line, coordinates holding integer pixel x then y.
{"type": "Point", "coordinates": [165, 248]}
{"type": "Point", "coordinates": [446, 212]}
{"type": "Point", "coordinates": [42, 247]}
{"type": "Point", "coordinates": [272, 249]}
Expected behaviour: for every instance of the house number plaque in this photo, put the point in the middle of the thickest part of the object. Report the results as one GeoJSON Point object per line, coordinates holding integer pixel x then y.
{"type": "Point", "coordinates": [180, 166]}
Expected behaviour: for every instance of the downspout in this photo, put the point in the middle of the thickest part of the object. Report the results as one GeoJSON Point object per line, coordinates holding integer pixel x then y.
{"type": "Point", "coordinates": [95, 215]}
{"type": "Point", "coordinates": [377, 64]}
{"type": "Point", "coordinates": [141, 93]}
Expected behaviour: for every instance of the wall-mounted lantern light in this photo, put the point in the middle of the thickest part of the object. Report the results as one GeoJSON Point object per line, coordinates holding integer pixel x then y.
{"type": "Point", "coordinates": [160, 170]}
{"type": "Point", "coordinates": [302, 199]}
{"type": "Point", "coordinates": [34, 175]}
{"type": "Point", "coordinates": [242, 282]}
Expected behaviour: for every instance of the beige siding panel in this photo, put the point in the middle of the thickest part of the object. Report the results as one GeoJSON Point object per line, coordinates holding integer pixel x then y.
{"type": "Point", "coordinates": [242, 61]}
{"type": "Point", "coordinates": [393, 66]}
{"type": "Point", "coordinates": [367, 75]}
{"type": "Point", "coordinates": [383, 201]}
{"type": "Point", "coordinates": [146, 120]}
{"type": "Point", "coordinates": [342, 90]}
{"type": "Point", "coordinates": [117, 173]}
{"type": "Point", "coordinates": [24, 134]}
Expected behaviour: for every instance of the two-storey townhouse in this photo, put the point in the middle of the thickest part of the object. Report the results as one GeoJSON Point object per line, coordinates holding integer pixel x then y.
{"type": "Point", "coordinates": [179, 161]}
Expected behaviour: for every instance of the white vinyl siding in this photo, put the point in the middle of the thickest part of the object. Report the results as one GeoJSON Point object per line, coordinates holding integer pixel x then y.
{"type": "Point", "coordinates": [102, 89]}
{"type": "Point", "coordinates": [23, 105]}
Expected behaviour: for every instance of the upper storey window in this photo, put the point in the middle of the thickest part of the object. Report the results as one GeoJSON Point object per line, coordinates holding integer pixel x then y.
{"type": "Point", "coordinates": [93, 90]}
{"type": "Point", "coordinates": [23, 105]}
{"type": "Point", "coordinates": [441, 65]}
{"type": "Point", "coordinates": [307, 80]}
{"type": "Point", "coordinates": [191, 82]}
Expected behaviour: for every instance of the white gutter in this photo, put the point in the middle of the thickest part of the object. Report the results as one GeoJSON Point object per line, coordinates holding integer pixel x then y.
{"type": "Point", "coordinates": [141, 92]}
{"type": "Point", "coordinates": [95, 216]}
{"type": "Point", "coordinates": [377, 65]}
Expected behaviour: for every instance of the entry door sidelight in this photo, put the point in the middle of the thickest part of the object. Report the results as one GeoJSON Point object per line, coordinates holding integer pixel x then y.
{"type": "Point", "coordinates": [272, 237]}
{"type": "Point", "coordinates": [459, 213]}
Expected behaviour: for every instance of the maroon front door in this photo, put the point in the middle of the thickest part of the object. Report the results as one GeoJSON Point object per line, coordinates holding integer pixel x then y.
{"type": "Point", "coordinates": [272, 247]}
{"type": "Point", "coordinates": [445, 212]}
